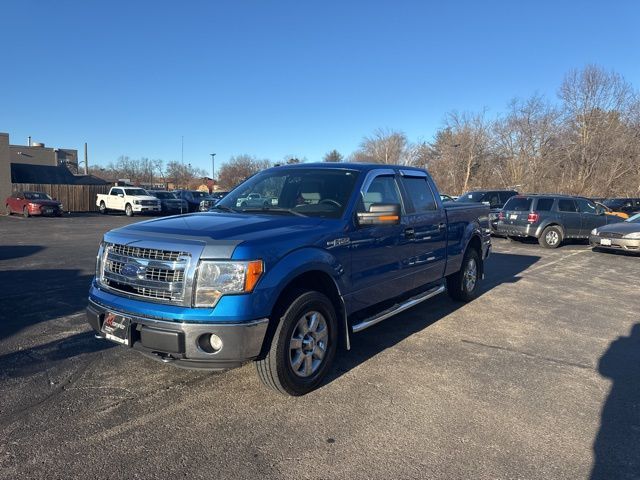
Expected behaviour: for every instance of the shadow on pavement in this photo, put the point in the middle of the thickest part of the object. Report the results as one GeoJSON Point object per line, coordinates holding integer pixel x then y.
{"type": "Point", "coordinates": [500, 268]}
{"type": "Point", "coordinates": [28, 297]}
{"type": "Point", "coordinates": [37, 359]}
{"type": "Point", "coordinates": [9, 252]}
{"type": "Point", "coordinates": [617, 445]}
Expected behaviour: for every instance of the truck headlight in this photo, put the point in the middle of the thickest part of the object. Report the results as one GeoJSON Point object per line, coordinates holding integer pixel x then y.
{"type": "Point", "coordinates": [594, 231]}
{"type": "Point", "coordinates": [137, 202]}
{"type": "Point", "coordinates": [218, 278]}
{"type": "Point", "coordinates": [99, 261]}
{"type": "Point", "coordinates": [632, 236]}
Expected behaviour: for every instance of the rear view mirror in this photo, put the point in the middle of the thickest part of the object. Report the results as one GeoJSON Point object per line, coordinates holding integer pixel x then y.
{"type": "Point", "coordinates": [380, 214]}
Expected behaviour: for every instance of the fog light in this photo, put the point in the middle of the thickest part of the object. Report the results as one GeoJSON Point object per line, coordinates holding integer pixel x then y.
{"type": "Point", "coordinates": [215, 342]}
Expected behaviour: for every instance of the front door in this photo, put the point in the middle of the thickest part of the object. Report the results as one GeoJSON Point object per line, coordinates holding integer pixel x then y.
{"type": "Point", "coordinates": [378, 251]}
{"type": "Point", "coordinates": [591, 216]}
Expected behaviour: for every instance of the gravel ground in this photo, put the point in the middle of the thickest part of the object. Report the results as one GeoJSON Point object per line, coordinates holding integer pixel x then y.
{"type": "Point", "coordinates": [537, 378]}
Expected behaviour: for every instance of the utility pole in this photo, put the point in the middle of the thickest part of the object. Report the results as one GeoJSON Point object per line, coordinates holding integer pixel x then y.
{"type": "Point", "coordinates": [86, 160]}
{"type": "Point", "coordinates": [213, 171]}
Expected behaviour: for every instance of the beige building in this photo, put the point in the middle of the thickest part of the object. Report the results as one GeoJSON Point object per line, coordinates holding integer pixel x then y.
{"type": "Point", "coordinates": [35, 154]}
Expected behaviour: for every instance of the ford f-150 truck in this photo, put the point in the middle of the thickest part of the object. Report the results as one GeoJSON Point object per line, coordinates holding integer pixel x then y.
{"type": "Point", "coordinates": [129, 200]}
{"type": "Point", "coordinates": [286, 285]}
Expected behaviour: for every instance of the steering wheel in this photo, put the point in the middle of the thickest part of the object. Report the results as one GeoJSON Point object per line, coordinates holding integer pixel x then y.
{"type": "Point", "coordinates": [330, 201]}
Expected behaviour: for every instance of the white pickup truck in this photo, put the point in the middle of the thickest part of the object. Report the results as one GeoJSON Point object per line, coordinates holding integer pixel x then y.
{"type": "Point", "coordinates": [129, 200]}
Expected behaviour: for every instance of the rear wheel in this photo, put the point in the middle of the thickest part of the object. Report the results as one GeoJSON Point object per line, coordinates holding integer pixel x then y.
{"type": "Point", "coordinates": [463, 285]}
{"type": "Point", "coordinates": [303, 347]}
{"type": "Point", "coordinates": [25, 212]}
{"type": "Point", "coordinates": [551, 237]}
{"type": "Point", "coordinates": [8, 209]}
{"type": "Point", "coordinates": [128, 210]}
{"type": "Point", "coordinates": [103, 208]}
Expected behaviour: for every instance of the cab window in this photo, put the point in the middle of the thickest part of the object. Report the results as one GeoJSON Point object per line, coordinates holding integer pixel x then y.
{"type": "Point", "coordinates": [383, 189]}
{"type": "Point", "coordinates": [420, 194]}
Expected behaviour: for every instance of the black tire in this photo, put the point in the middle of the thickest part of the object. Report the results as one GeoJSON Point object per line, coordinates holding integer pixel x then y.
{"type": "Point", "coordinates": [276, 367]}
{"type": "Point", "coordinates": [103, 208]}
{"type": "Point", "coordinates": [8, 209]}
{"type": "Point", "coordinates": [243, 204]}
{"type": "Point", "coordinates": [551, 237]}
{"type": "Point", "coordinates": [128, 210]}
{"type": "Point", "coordinates": [460, 285]}
{"type": "Point", "coordinates": [25, 212]}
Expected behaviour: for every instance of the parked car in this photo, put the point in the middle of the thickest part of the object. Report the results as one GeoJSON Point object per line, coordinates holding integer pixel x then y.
{"type": "Point", "coordinates": [551, 218]}
{"type": "Point", "coordinates": [626, 205]}
{"type": "Point", "coordinates": [446, 198]}
{"type": "Point", "coordinates": [285, 285]}
{"type": "Point", "coordinates": [610, 211]}
{"type": "Point", "coordinates": [130, 200]}
{"type": "Point", "coordinates": [169, 202]}
{"type": "Point", "coordinates": [494, 198]}
{"type": "Point", "coordinates": [623, 236]}
{"type": "Point", "coordinates": [254, 200]}
{"type": "Point", "coordinates": [197, 201]}
{"type": "Point", "coordinates": [32, 203]}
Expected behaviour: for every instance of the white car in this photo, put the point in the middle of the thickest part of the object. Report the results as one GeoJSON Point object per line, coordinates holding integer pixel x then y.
{"type": "Point", "coordinates": [254, 200]}
{"type": "Point", "coordinates": [129, 200]}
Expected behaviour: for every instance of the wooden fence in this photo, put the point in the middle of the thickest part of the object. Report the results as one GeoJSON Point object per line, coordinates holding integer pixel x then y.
{"type": "Point", "coordinates": [75, 198]}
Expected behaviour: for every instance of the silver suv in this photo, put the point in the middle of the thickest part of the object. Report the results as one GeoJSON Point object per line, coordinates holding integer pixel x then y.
{"type": "Point", "coordinates": [551, 218]}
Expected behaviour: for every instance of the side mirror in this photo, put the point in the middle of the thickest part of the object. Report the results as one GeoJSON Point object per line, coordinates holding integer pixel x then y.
{"type": "Point", "coordinates": [121, 195]}
{"type": "Point", "coordinates": [380, 214]}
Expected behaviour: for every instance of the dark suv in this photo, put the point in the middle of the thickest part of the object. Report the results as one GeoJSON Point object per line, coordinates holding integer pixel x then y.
{"type": "Point", "coordinates": [551, 218]}
{"type": "Point", "coordinates": [494, 198]}
{"type": "Point", "coordinates": [626, 205]}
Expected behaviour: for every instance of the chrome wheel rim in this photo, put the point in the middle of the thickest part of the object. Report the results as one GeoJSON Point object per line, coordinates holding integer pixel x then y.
{"type": "Point", "coordinates": [470, 275]}
{"type": "Point", "coordinates": [552, 237]}
{"type": "Point", "coordinates": [308, 344]}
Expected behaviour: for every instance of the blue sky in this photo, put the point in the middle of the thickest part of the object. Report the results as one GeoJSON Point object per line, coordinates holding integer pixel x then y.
{"type": "Point", "coordinates": [272, 78]}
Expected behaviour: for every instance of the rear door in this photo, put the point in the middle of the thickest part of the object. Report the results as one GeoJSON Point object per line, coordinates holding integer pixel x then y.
{"type": "Point", "coordinates": [427, 228]}
{"type": "Point", "coordinates": [590, 216]}
{"type": "Point", "coordinates": [570, 218]}
{"type": "Point", "coordinates": [115, 201]}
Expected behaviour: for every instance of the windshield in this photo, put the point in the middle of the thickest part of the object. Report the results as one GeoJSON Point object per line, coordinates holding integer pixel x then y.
{"type": "Point", "coordinates": [163, 195]}
{"type": "Point", "coordinates": [471, 197]}
{"type": "Point", "coordinates": [36, 196]}
{"type": "Point", "coordinates": [315, 192]}
{"type": "Point", "coordinates": [634, 219]}
{"type": "Point", "coordinates": [136, 192]}
{"type": "Point", "coordinates": [613, 202]}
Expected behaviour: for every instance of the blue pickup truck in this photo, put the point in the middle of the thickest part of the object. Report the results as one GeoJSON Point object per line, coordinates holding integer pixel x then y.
{"type": "Point", "coordinates": [286, 285]}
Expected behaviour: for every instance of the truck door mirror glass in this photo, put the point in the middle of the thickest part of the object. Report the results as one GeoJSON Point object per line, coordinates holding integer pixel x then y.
{"type": "Point", "coordinates": [121, 195]}
{"type": "Point", "coordinates": [380, 214]}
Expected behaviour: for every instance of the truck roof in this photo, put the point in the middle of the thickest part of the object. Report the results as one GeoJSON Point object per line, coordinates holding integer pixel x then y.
{"type": "Point", "coordinates": [363, 167]}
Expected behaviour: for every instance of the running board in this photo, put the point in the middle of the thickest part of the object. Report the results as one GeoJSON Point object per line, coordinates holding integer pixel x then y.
{"type": "Point", "coordinates": [401, 307]}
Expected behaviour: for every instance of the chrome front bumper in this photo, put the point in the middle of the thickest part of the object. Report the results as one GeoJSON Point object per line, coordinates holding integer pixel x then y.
{"type": "Point", "coordinates": [619, 244]}
{"type": "Point", "coordinates": [178, 343]}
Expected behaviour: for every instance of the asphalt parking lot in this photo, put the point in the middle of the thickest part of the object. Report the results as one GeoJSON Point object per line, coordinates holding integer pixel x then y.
{"type": "Point", "coordinates": [537, 378]}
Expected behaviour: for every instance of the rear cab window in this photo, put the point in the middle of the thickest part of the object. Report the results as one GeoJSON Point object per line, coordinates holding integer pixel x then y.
{"type": "Point", "coordinates": [420, 195]}
{"type": "Point", "coordinates": [519, 204]}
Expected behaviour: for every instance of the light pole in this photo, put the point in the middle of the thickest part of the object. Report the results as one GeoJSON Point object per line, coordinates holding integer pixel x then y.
{"type": "Point", "coordinates": [213, 171]}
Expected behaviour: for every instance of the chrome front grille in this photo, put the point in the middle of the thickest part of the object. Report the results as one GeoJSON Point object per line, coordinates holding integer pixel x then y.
{"type": "Point", "coordinates": [148, 203]}
{"type": "Point", "coordinates": [145, 272]}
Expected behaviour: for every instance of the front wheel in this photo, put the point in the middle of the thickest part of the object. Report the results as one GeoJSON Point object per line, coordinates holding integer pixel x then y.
{"type": "Point", "coordinates": [303, 347]}
{"type": "Point", "coordinates": [128, 210]}
{"type": "Point", "coordinates": [463, 285]}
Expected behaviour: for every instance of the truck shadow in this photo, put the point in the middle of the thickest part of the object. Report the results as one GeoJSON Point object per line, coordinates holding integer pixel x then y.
{"type": "Point", "coordinates": [500, 268]}
{"type": "Point", "coordinates": [37, 359]}
{"type": "Point", "coordinates": [617, 445]}
{"type": "Point", "coordinates": [28, 297]}
{"type": "Point", "coordinates": [9, 252]}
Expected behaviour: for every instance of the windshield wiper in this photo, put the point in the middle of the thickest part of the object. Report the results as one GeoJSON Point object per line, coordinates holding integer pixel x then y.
{"type": "Point", "coordinates": [225, 208]}
{"type": "Point", "coordinates": [289, 211]}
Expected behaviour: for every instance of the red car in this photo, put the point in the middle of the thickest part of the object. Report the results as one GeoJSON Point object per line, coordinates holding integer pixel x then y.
{"type": "Point", "coordinates": [32, 203]}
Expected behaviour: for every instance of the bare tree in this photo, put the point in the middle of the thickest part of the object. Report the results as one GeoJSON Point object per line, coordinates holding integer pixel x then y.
{"type": "Point", "coordinates": [383, 146]}
{"type": "Point", "coordinates": [333, 156]}
{"type": "Point", "coordinates": [238, 168]}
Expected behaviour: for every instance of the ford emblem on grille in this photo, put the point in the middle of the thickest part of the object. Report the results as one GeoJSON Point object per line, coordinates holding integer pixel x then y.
{"type": "Point", "coordinates": [132, 270]}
